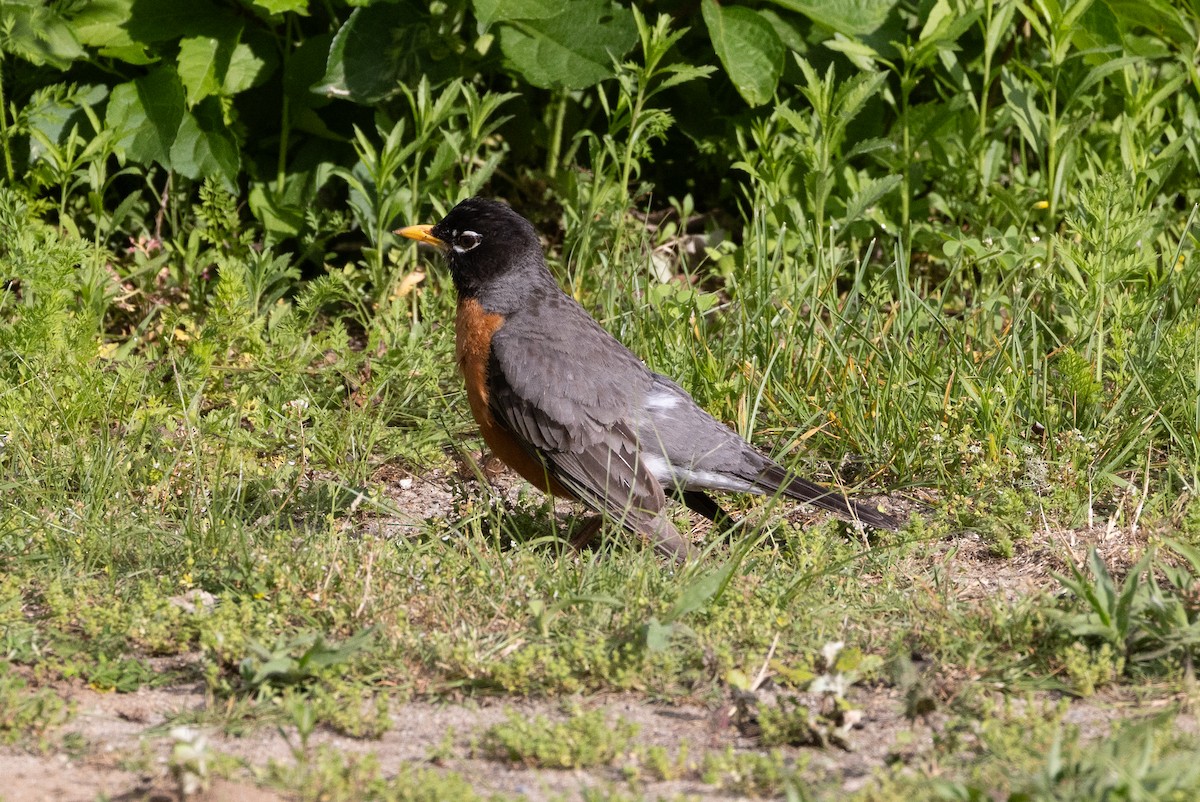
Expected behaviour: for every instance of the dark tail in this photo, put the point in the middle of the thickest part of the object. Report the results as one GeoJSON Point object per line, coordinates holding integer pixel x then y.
{"type": "Point", "coordinates": [776, 479]}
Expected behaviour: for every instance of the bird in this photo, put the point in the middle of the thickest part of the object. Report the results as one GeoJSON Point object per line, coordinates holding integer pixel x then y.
{"type": "Point", "coordinates": [567, 406]}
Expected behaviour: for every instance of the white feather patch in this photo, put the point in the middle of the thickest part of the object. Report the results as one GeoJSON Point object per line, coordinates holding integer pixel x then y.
{"type": "Point", "coordinates": [661, 401]}
{"type": "Point", "coordinates": [690, 479]}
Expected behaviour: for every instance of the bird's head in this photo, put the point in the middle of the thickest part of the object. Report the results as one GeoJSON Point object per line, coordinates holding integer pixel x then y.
{"type": "Point", "coordinates": [483, 240]}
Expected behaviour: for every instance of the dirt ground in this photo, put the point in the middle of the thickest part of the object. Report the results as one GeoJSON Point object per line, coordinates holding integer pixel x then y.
{"type": "Point", "coordinates": [122, 743]}
{"type": "Point", "coordinates": [127, 746]}
{"type": "Point", "coordinates": [118, 726]}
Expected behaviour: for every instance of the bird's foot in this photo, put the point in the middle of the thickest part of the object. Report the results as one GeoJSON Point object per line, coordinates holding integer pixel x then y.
{"type": "Point", "coordinates": [585, 538]}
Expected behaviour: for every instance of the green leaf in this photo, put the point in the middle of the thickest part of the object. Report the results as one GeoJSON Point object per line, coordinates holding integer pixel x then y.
{"type": "Point", "coordinates": [1161, 16]}
{"type": "Point", "coordinates": [871, 190]}
{"type": "Point", "coordinates": [203, 61]}
{"type": "Point", "coordinates": [749, 48]}
{"type": "Point", "coordinates": [104, 25]}
{"type": "Point", "coordinates": [146, 115]}
{"type": "Point", "coordinates": [697, 594]}
{"type": "Point", "coordinates": [489, 12]}
{"type": "Point", "coordinates": [657, 635]}
{"type": "Point", "coordinates": [205, 147]}
{"type": "Point", "coordinates": [283, 6]}
{"type": "Point", "coordinates": [1029, 118]}
{"type": "Point", "coordinates": [1097, 28]}
{"type": "Point", "coordinates": [1188, 552]}
{"type": "Point", "coordinates": [211, 65]}
{"type": "Point", "coordinates": [53, 116]}
{"type": "Point", "coordinates": [34, 31]}
{"type": "Point", "coordinates": [151, 21]}
{"type": "Point", "coordinates": [253, 60]}
{"type": "Point", "coordinates": [860, 54]}
{"type": "Point", "coordinates": [791, 29]}
{"type": "Point", "coordinates": [850, 17]}
{"type": "Point", "coordinates": [323, 654]}
{"type": "Point", "coordinates": [360, 67]}
{"type": "Point", "coordinates": [279, 218]}
{"type": "Point", "coordinates": [574, 49]}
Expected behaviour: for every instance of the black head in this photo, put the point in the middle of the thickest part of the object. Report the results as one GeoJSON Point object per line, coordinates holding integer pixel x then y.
{"type": "Point", "coordinates": [483, 240]}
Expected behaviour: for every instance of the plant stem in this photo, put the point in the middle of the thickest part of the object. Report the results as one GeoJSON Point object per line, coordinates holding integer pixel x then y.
{"type": "Point", "coordinates": [560, 116]}
{"type": "Point", "coordinates": [906, 85]}
{"type": "Point", "coordinates": [8, 165]}
{"type": "Point", "coordinates": [984, 91]}
{"type": "Point", "coordinates": [285, 109]}
{"type": "Point", "coordinates": [635, 116]}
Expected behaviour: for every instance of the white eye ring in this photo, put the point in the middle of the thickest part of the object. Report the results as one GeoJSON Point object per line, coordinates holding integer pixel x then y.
{"type": "Point", "coordinates": [466, 241]}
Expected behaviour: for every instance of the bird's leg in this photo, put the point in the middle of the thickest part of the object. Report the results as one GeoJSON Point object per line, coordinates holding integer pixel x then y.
{"type": "Point", "coordinates": [667, 539]}
{"type": "Point", "coordinates": [701, 503]}
{"type": "Point", "coordinates": [660, 532]}
{"type": "Point", "coordinates": [586, 535]}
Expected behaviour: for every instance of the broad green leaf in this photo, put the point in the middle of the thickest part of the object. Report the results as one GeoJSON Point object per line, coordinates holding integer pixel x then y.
{"type": "Point", "coordinates": [282, 212]}
{"type": "Point", "coordinates": [306, 65]}
{"type": "Point", "coordinates": [360, 66]}
{"type": "Point", "coordinates": [254, 59]}
{"type": "Point", "coordinates": [36, 32]}
{"type": "Point", "coordinates": [283, 6]}
{"type": "Point", "coordinates": [703, 588]}
{"type": "Point", "coordinates": [575, 48]}
{"type": "Point", "coordinates": [1161, 16]}
{"type": "Point", "coordinates": [489, 12]}
{"type": "Point", "coordinates": [998, 27]}
{"type": "Point", "coordinates": [103, 24]}
{"type": "Point", "coordinates": [224, 65]}
{"type": "Point", "coordinates": [861, 54]}
{"type": "Point", "coordinates": [1101, 71]}
{"type": "Point", "coordinates": [1097, 28]}
{"type": "Point", "coordinates": [1187, 551]}
{"type": "Point", "coordinates": [749, 49]}
{"type": "Point", "coordinates": [850, 17]}
{"type": "Point", "coordinates": [1030, 119]}
{"type": "Point", "coordinates": [657, 635]}
{"type": "Point", "coordinates": [152, 21]}
{"type": "Point", "coordinates": [866, 195]}
{"type": "Point", "coordinates": [205, 147]}
{"type": "Point", "coordinates": [146, 114]}
{"type": "Point", "coordinates": [322, 653]}
{"type": "Point", "coordinates": [203, 61]}
{"type": "Point", "coordinates": [278, 220]}
{"type": "Point", "coordinates": [54, 116]}
{"type": "Point", "coordinates": [790, 29]}
{"type": "Point", "coordinates": [941, 11]}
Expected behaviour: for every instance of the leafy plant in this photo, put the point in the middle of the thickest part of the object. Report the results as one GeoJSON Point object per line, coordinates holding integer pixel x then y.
{"type": "Point", "coordinates": [634, 125]}
{"type": "Point", "coordinates": [332, 774]}
{"type": "Point", "coordinates": [797, 160]}
{"type": "Point", "coordinates": [298, 660]}
{"type": "Point", "coordinates": [1145, 621]}
{"type": "Point", "coordinates": [584, 740]}
{"type": "Point", "coordinates": [758, 774]}
{"type": "Point", "coordinates": [25, 712]}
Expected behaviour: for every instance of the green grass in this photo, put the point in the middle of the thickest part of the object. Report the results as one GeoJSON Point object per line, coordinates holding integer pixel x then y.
{"type": "Point", "coordinates": [965, 278]}
{"type": "Point", "coordinates": [236, 454]}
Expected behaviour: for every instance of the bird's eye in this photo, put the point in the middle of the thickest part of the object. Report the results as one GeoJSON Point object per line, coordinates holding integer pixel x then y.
{"type": "Point", "coordinates": [466, 241]}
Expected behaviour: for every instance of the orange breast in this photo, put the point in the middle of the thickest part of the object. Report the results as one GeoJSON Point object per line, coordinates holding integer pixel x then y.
{"type": "Point", "coordinates": [474, 329]}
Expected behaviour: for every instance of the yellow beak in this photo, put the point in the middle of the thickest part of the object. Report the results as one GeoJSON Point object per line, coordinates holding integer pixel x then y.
{"type": "Point", "coordinates": [421, 234]}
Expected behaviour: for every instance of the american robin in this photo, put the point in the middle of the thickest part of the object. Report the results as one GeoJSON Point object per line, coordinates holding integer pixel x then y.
{"type": "Point", "coordinates": [572, 410]}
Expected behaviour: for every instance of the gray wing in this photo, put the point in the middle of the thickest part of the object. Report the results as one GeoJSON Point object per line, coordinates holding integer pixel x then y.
{"type": "Point", "coordinates": [568, 389]}
{"type": "Point", "coordinates": [688, 449]}
{"type": "Point", "coordinates": [691, 449]}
